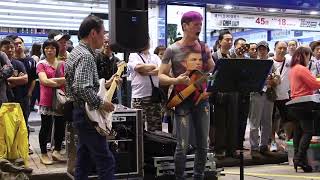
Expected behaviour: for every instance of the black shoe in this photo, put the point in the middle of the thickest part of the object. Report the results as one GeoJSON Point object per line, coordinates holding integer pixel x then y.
{"type": "Point", "coordinates": [27, 170]}
{"type": "Point", "coordinates": [191, 150]}
{"type": "Point", "coordinates": [19, 162]}
{"type": "Point", "coordinates": [304, 166]}
{"type": "Point", "coordinates": [220, 154]}
{"type": "Point", "coordinates": [255, 154]}
{"type": "Point", "coordinates": [9, 167]}
{"type": "Point", "coordinates": [263, 149]}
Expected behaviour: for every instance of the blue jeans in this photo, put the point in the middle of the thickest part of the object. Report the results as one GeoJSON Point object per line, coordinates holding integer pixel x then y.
{"type": "Point", "coordinates": [91, 145]}
{"type": "Point", "coordinates": [185, 114]}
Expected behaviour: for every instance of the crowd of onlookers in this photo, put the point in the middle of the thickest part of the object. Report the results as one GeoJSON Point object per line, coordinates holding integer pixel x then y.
{"type": "Point", "coordinates": [30, 79]}
{"type": "Point", "coordinates": [265, 111]}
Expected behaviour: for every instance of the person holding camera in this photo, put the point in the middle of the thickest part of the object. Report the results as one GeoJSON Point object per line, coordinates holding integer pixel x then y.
{"type": "Point", "coordinates": [282, 68]}
{"type": "Point", "coordinates": [240, 49]}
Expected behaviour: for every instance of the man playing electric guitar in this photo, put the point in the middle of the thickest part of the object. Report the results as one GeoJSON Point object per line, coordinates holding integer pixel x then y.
{"type": "Point", "coordinates": [82, 87]}
{"type": "Point", "coordinates": [186, 55]}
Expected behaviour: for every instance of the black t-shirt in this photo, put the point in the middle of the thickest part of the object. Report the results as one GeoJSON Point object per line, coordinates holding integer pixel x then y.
{"type": "Point", "coordinates": [18, 92]}
{"type": "Point", "coordinates": [107, 66]}
{"type": "Point", "coordinates": [30, 66]}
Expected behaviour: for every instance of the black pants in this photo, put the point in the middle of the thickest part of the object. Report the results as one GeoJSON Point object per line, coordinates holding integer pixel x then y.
{"type": "Point", "coordinates": [25, 106]}
{"type": "Point", "coordinates": [244, 103]}
{"type": "Point", "coordinates": [303, 131]}
{"type": "Point", "coordinates": [91, 146]}
{"type": "Point", "coordinates": [35, 94]}
{"type": "Point", "coordinates": [226, 122]}
{"type": "Point", "coordinates": [46, 128]}
{"type": "Point", "coordinates": [283, 111]}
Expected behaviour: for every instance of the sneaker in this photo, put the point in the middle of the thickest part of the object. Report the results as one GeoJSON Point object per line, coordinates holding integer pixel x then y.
{"type": "Point", "coordinates": [273, 147]}
{"type": "Point", "coordinates": [44, 159]}
{"type": "Point", "coordinates": [56, 156]}
{"type": "Point", "coordinates": [282, 136]}
{"type": "Point", "coordinates": [48, 146]}
{"type": "Point", "coordinates": [31, 129]}
{"type": "Point", "coordinates": [63, 145]}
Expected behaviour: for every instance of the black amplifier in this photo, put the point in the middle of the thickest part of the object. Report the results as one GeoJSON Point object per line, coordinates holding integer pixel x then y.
{"type": "Point", "coordinates": [127, 146]}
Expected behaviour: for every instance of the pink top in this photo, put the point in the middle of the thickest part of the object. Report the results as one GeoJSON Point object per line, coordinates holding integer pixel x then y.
{"type": "Point", "coordinates": [46, 92]}
{"type": "Point", "coordinates": [302, 82]}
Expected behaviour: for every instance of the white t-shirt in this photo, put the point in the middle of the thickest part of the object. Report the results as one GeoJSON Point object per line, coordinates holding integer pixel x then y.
{"type": "Point", "coordinates": [284, 86]}
{"type": "Point", "coordinates": [288, 56]}
{"type": "Point", "coordinates": [141, 85]}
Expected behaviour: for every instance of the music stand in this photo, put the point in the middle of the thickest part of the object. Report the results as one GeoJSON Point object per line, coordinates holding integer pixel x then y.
{"type": "Point", "coordinates": [242, 76]}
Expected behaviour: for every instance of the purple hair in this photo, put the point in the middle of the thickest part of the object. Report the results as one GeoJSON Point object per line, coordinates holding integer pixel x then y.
{"type": "Point", "coordinates": [191, 16]}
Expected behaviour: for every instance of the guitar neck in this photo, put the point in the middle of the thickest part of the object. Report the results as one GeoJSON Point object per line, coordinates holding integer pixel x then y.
{"type": "Point", "coordinates": [111, 91]}
{"type": "Point", "coordinates": [113, 86]}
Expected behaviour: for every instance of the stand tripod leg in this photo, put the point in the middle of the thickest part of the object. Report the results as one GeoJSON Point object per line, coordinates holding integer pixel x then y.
{"type": "Point", "coordinates": [241, 163]}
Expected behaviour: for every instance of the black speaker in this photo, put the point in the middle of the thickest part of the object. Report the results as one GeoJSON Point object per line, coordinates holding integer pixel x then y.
{"type": "Point", "coordinates": [128, 25]}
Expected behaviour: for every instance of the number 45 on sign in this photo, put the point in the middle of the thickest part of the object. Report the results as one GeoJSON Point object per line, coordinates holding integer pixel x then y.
{"type": "Point", "coordinates": [262, 21]}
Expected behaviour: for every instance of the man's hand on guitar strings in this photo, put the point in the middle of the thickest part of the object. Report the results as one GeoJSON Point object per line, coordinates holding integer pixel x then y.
{"type": "Point", "coordinates": [107, 106]}
{"type": "Point", "coordinates": [118, 80]}
{"type": "Point", "coordinates": [206, 95]}
{"type": "Point", "coordinates": [183, 78]}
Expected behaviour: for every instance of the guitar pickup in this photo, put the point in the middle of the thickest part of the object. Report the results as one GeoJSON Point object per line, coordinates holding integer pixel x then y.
{"type": "Point", "coordinates": [119, 119]}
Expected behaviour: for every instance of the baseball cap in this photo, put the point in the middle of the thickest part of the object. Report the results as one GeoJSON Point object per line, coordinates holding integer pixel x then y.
{"type": "Point", "coordinates": [264, 44]}
{"type": "Point", "coordinates": [60, 36]}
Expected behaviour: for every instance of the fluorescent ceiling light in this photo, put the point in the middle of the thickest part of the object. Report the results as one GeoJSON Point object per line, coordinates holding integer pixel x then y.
{"type": "Point", "coordinates": [228, 7]}
{"type": "Point", "coordinates": [313, 12]}
{"type": "Point", "coordinates": [38, 23]}
{"type": "Point", "coordinates": [10, 11]}
{"type": "Point", "coordinates": [272, 10]}
{"type": "Point", "coordinates": [54, 7]}
{"type": "Point", "coordinates": [37, 26]}
{"type": "Point", "coordinates": [46, 19]}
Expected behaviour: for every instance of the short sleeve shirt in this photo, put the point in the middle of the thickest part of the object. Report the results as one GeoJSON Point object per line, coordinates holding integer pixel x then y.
{"type": "Point", "coordinates": [46, 92]}
{"type": "Point", "coordinates": [30, 66]}
{"type": "Point", "coordinates": [141, 85]}
{"type": "Point", "coordinates": [178, 55]}
{"type": "Point", "coordinates": [21, 91]}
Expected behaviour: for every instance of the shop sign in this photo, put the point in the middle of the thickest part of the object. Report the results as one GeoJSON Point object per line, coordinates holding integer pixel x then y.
{"type": "Point", "coordinates": [226, 20]}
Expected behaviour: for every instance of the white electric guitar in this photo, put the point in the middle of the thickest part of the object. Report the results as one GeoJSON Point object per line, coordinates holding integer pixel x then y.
{"type": "Point", "coordinates": [102, 118]}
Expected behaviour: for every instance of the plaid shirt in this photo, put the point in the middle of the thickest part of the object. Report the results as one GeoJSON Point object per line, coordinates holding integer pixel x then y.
{"type": "Point", "coordinates": [82, 77]}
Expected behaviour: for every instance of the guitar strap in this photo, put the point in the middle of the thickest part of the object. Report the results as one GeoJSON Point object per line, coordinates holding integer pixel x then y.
{"type": "Point", "coordinates": [149, 75]}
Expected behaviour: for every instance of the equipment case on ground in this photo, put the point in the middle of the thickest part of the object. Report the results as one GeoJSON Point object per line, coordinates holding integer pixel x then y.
{"type": "Point", "coordinates": [127, 146]}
